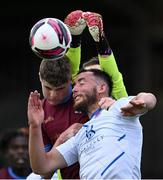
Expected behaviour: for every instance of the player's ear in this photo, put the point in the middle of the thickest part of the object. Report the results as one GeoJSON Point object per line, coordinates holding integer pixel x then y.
{"type": "Point", "coordinates": [101, 88]}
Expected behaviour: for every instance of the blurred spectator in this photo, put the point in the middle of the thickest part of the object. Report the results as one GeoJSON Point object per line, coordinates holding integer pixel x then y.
{"type": "Point", "coordinates": [14, 149]}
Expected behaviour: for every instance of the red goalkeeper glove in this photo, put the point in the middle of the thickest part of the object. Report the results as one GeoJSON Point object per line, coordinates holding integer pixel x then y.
{"type": "Point", "coordinates": [95, 25]}
{"type": "Point", "coordinates": [76, 25]}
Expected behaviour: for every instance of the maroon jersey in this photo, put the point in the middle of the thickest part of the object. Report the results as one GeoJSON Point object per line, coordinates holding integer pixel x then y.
{"type": "Point", "coordinates": [58, 119]}
{"type": "Point", "coordinates": [7, 173]}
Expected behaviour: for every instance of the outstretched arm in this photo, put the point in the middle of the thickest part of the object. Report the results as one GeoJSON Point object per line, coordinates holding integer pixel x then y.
{"type": "Point", "coordinates": [74, 56]}
{"type": "Point", "coordinates": [76, 25]}
{"type": "Point", "coordinates": [106, 57]}
{"type": "Point", "coordinates": [41, 162]}
{"type": "Point", "coordinates": [140, 104]}
{"type": "Point", "coordinates": [109, 65]}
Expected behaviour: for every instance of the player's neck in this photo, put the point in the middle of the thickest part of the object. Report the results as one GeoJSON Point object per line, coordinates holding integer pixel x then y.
{"type": "Point", "coordinates": [92, 109]}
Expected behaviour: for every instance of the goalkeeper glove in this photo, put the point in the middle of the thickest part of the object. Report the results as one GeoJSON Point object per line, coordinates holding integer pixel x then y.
{"type": "Point", "coordinates": [95, 25]}
{"type": "Point", "coordinates": [76, 25]}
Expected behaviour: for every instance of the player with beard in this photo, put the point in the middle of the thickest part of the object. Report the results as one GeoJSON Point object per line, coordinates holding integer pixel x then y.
{"type": "Point", "coordinates": [77, 21]}
{"type": "Point", "coordinates": [104, 145]}
{"type": "Point", "coordinates": [56, 84]}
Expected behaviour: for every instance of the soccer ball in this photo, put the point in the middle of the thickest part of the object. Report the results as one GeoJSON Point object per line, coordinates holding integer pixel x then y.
{"type": "Point", "coordinates": [50, 38]}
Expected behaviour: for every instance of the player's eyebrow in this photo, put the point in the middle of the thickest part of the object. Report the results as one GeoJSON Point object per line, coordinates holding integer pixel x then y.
{"type": "Point", "coordinates": [79, 80]}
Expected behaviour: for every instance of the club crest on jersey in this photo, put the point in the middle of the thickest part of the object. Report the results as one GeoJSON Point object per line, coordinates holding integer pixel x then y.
{"type": "Point", "coordinates": [90, 132]}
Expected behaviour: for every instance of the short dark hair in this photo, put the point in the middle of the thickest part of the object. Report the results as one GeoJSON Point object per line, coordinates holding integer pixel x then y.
{"type": "Point", "coordinates": [93, 61]}
{"type": "Point", "coordinates": [55, 72]}
{"type": "Point", "coordinates": [10, 134]}
{"type": "Point", "coordinates": [101, 75]}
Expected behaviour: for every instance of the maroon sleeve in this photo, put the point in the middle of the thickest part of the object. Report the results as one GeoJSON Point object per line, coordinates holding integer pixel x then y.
{"type": "Point", "coordinates": [47, 143]}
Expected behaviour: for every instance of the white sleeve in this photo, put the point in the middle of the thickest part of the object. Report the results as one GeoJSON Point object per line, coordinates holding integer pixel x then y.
{"type": "Point", "coordinates": [33, 176]}
{"type": "Point", "coordinates": [115, 110]}
{"type": "Point", "coordinates": [121, 103]}
{"type": "Point", "coordinates": [69, 151]}
{"type": "Point", "coordinates": [126, 101]}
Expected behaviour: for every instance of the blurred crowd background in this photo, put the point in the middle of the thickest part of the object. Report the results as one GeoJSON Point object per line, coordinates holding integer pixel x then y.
{"type": "Point", "coordinates": [135, 33]}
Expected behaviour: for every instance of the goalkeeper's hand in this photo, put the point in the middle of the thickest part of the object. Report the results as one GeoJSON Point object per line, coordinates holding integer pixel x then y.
{"type": "Point", "coordinates": [95, 24]}
{"type": "Point", "coordinates": [75, 22]}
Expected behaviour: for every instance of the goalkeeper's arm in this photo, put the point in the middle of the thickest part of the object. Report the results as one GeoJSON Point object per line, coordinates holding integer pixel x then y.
{"type": "Point", "coordinates": [108, 64]}
{"type": "Point", "coordinates": [76, 25]}
{"type": "Point", "coordinates": [74, 55]}
{"type": "Point", "coordinates": [106, 58]}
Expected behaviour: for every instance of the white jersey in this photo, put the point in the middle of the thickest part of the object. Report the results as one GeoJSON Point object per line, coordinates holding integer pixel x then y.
{"type": "Point", "coordinates": [108, 146]}
{"type": "Point", "coordinates": [34, 176]}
